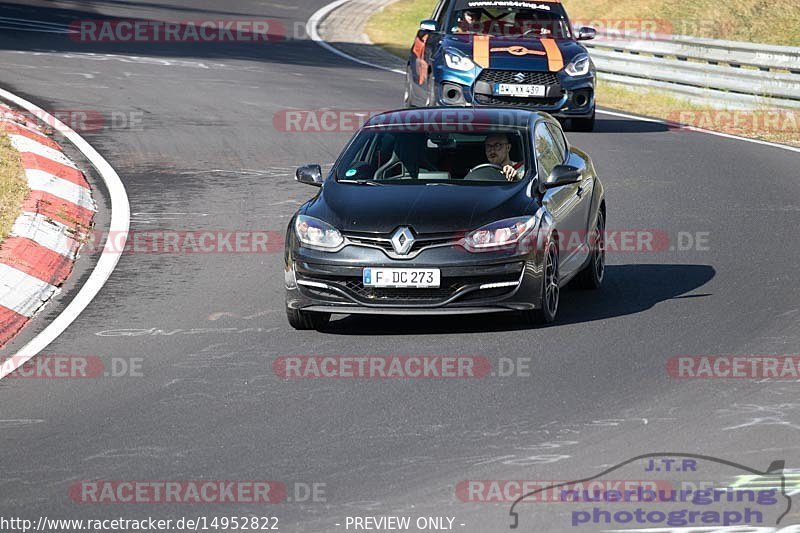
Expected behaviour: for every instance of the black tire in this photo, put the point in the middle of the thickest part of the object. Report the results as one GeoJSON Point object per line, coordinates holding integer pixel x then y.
{"type": "Point", "coordinates": [583, 124]}
{"type": "Point", "coordinates": [305, 320]}
{"type": "Point", "coordinates": [546, 314]}
{"type": "Point", "coordinates": [591, 277]}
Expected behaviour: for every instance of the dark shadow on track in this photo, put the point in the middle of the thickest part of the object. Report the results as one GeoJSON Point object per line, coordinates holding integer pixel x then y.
{"type": "Point", "coordinates": [624, 125]}
{"type": "Point", "coordinates": [628, 289]}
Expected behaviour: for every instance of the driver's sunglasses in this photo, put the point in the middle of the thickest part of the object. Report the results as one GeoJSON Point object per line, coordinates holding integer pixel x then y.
{"type": "Point", "coordinates": [495, 146]}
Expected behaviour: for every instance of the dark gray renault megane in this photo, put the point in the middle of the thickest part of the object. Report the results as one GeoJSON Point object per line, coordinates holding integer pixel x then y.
{"type": "Point", "coordinates": [447, 211]}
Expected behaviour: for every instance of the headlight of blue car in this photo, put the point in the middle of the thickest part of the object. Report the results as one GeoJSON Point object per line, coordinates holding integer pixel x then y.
{"type": "Point", "coordinates": [579, 66]}
{"type": "Point", "coordinates": [458, 61]}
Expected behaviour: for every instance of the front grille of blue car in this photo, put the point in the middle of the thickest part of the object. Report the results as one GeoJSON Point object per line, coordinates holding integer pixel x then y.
{"type": "Point", "coordinates": [508, 76]}
{"type": "Point", "coordinates": [532, 103]}
{"type": "Point", "coordinates": [484, 88]}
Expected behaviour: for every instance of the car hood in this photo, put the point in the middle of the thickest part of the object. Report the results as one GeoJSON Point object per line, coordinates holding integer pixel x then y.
{"type": "Point", "coordinates": [504, 60]}
{"type": "Point", "coordinates": [425, 208]}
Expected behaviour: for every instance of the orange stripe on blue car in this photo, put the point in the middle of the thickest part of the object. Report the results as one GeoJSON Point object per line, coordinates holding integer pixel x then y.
{"type": "Point", "coordinates": [555, 61]}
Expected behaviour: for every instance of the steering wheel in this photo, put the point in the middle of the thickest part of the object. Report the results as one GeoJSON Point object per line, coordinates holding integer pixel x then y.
{"type": "Point", "coordinates": [481, 172]}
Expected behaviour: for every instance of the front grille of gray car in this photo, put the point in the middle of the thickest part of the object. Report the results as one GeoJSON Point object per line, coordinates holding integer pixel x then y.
{"type": "Point", "coordinates": [421, 242]}
{"type": "Point", "coordinates": [445, 291]}
{"type": "Point", "coordinates": [449, 287]}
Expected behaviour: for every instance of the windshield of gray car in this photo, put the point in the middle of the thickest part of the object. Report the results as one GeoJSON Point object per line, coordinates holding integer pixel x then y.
{"type": "Point", "coordinates": [389, 156]}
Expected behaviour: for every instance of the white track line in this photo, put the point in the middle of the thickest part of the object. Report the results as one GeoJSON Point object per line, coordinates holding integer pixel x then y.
{"type": "Point", "coordinates": [312, 28]}
{"type": "Point", "coordinates": [120, 224]}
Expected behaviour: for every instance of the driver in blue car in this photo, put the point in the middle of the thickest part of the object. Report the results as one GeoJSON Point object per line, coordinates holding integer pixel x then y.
{"type": "Point", "coordinates": [469, 21]}
{"type": "Point", "coordinates": [498, 152]}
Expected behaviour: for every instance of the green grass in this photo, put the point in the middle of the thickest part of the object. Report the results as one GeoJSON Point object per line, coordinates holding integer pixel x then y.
{"type": "Point", "coordinates": [13, 186]}
{"type": "Point", "coordinates": [395, 27]}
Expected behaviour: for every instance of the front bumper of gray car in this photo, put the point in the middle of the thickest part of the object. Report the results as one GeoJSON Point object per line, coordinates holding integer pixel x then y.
{"type": "Point", "coordinates": [470, 282]}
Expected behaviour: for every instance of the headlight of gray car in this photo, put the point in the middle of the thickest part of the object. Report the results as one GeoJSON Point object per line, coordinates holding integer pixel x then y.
{"type": "Point", "coordinates": [499, 234]}
{"type": "Point", "coordinates": [317, 234]}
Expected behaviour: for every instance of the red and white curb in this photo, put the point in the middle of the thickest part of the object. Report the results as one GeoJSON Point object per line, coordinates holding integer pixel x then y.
{"type": "Point", "coordinates": [119, 226]}
{"type": "Point", "coordinates": [40, 252]}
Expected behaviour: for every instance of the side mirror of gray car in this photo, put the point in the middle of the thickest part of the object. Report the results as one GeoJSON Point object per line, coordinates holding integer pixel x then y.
{"type": "Point", "coordinates": [562, 175]}
{"type": "Point", "coordinates": [586, 33]}
{"type": "Point", "coordinates": [310, 175]}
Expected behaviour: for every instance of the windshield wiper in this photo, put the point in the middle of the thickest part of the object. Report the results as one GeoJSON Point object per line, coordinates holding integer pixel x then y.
{"type": "Point", "coordinates": [361, 182]}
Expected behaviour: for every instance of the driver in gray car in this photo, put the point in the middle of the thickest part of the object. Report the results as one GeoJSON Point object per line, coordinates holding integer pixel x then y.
{"type": "Point", "coordinates": [498, 152]}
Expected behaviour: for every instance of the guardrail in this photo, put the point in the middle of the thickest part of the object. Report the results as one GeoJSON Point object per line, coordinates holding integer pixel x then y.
{"type": "Point", "coordinates": [734, 73]}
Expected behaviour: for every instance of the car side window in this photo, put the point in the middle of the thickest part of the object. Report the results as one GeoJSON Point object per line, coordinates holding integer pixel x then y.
{"type": "Point", "coordinates": [547, 154]}
{"type": "Point", "coordinates": [440, 15]}
{"type": "Point", "coordinates": [561, 142]}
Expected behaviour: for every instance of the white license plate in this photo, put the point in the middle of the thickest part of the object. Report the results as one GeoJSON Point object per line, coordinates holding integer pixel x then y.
{"type": "Point", "coordinates": [522, 91]}
{"type": "Point", "coordinates": [415, 278]}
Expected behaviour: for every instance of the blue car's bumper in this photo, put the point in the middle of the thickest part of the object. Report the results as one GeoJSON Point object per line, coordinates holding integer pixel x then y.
{"type": "Point", "coordinates": [566, 96]}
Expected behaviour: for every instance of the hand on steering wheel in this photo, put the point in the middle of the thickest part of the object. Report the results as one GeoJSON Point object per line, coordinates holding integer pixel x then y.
{"type": "Point", "coordinates": [508, 171]}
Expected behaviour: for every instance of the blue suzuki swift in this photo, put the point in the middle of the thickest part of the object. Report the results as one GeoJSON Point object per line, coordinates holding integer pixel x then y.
{"type": "Point", "coordinates": [503, 53]}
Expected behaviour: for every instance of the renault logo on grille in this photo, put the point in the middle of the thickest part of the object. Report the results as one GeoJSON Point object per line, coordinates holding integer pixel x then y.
{"type": "Point", "coordinates": [402, 241]}
{"type": "Point", "coordinates": [519, 77]}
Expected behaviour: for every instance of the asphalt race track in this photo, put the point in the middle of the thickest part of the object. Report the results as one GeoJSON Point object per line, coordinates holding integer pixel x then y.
{"type": "Point", "coordinates": [208, 327]}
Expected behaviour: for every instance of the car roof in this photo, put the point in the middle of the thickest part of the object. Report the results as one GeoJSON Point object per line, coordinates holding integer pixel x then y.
{"type": "Point", "coordinates": [483, 116]}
